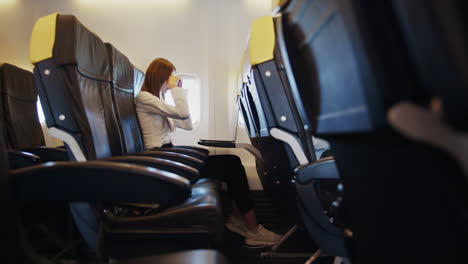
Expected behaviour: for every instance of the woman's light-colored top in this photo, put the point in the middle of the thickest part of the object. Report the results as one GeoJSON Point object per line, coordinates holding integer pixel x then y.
{"type": "Point", "coordinates": [158, 119]}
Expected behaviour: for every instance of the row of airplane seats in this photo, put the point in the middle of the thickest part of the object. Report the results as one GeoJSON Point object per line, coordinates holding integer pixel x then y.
{"type": "Point", "coordinates": [343, 70]}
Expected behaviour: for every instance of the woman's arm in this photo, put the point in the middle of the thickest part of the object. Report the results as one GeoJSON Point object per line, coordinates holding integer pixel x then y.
{"type": "Point", "coordinates": [157, 106]}
{"type": "Point", "coordinates": [184, 124]}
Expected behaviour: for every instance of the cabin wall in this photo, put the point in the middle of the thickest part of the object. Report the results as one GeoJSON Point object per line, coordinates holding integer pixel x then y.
{"type": "Point", "coordinates": [205, 37]}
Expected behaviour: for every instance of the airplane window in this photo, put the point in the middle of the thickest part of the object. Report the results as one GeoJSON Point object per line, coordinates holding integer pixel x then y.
{"type": "Point", "coordinates": [191, 83]}
{"type": "Point", "coordinates": [40, 113]}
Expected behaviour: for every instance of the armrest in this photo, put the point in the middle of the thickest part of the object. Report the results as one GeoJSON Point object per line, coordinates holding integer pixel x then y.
{"type": "Point", "coordinates": [178, 168]}
{"type": "Point", "coordinates": [169, 155]}
{"type": "Point", "coordinates": [99, 181]}
{"type": "Point", "coordinates": [217, 143]}
{"type": "Point", "coordinates": [185, 151]}
{"type": "Point", "coordinates": [202, 150]}
{"type": "Point", "coordinates": [21, 159]}
{"type": "Point", "coordinates": [323, 169]}
{"type": "Point", "coordinates": [48, 154]}
{"type": "Point", "coordinates": [232, 144]}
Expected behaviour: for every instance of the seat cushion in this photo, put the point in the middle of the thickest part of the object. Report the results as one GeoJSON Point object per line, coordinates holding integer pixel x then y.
{"type": "Point", "coordinates": [202, 211]}
{"type": "Point", "coordinates": [194, 224]}
{"type": "Point", "coordinates": [185, 257]}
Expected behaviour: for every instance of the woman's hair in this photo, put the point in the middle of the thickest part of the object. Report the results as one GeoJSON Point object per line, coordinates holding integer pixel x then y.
{"type": "Point", "coordinates": [157, 73]}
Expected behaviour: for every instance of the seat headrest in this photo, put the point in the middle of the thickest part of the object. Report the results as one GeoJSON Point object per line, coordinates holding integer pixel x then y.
{"type": "Point", "coordinates": [262, 40]}
{"type": "Point", "coordinates": [68, 42]}
{"type": "Point", "coordinates": [121, 69]}
{"type": "Point", "coordinates": [17, 83]}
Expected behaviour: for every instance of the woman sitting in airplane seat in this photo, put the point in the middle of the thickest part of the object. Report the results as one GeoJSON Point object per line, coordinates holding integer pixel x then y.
{"type": "Point", "coordinates": [158, 119]}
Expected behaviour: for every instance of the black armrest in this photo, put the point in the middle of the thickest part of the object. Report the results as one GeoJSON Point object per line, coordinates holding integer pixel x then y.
{"type": "Point", "coordinates": [178, 168]}
{"type": "Point", "coordinates": [99, 181]}
{"type": "Point", "coordinates": [21, 159]}
{"type": "Point", "coordinates": [185, 151]}
{"type": "Point", "coordinates": [182, 158]}
{"type": "Point", "coordinates": [323, 169]}
{"type": "Point", "coordinates": [202, 150]}
{"type": "Point", "coordinates": [48, 154]}
{"type": "Point", "coordinates": [217, 143]}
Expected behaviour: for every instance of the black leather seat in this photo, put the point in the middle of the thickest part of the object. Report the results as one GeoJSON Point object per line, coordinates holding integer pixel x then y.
{"type": "Point", "coordinates": [279, 119]}
{"type": "Point", "coordinates": [351, 63]}
{"type": "Point", "coordinates": [19, 100]}
{"type": "Point", "coordinates": [123, 81]}
{"type": "Point", "coordinates": [75, 87]}
{"type": "Point", "coordinates": [9, 187]}
{"type": "Point", "coordinates": [19, 116]}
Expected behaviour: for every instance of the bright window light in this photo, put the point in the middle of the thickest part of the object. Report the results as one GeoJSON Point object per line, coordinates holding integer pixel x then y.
{"type": "Point", "coordinates": [191, 82]}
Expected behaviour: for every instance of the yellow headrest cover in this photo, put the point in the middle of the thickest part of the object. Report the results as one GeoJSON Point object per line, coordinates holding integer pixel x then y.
{"type": "Point", "coordinates": [43, 38]}
{"type": "Point", "coordinates": [262, 40]}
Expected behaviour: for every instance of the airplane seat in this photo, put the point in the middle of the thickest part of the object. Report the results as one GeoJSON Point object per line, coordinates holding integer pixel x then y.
{"type": "Point", "coordinates": [351, 64]}
{"type": "Point", "coordinates": [273, 162]}
{"type": "Point", "coordinates": [285, 124]}
{"type": "Point", "coordinates": [74, 80]}
{"type": "Point", "coordinates": [14, 182]}
{"type": "Point", "coordinates": [122, 97]}
{"type": "Point", "coordinates": [122, 91]}
{"type": "Point", "coordinates": [124, 81]}
{"type": "Point", "coordinates": [19, 105]}
{"type": "Point", "coordinates": [19, 116]}
{"type": "Point", "coordinates": [25, 140]}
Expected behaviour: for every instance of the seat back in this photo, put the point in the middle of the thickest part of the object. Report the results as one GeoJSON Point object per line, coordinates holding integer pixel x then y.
{"type": "Point", "coordinates": [123, 85]}
{"type": "Point", "coordinates": [19, 102]}
{"type": "Point", "coordinates": [274, 168]}
{"type": "Point", "coordinates": [289, 126]}
{"type": "Point", "coordinates": [272, 87]}
{"type": "Point", "coordinates": [355, 42]}
{"type": "Point", "coordinates": [351, 64]}
{"type": "Point", "coordinates": [74, 83]}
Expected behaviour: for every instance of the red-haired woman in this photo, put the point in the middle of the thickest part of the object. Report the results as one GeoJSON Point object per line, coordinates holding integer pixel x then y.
{"type": "Point", "coordinates": [158, 119]}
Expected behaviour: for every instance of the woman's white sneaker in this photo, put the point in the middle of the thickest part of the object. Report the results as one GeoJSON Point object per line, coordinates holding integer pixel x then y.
{"type": "Point", "coordinates": [236, 225]}
{"type": "Point", "coordinates": [261, 237]}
